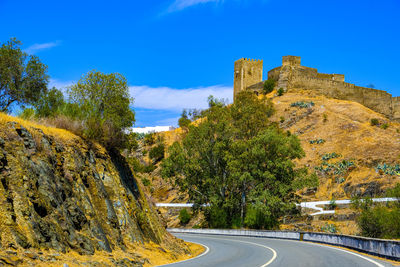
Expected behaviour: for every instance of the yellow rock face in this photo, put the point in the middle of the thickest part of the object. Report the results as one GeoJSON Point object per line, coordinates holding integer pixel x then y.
{"type": "Point", "coordinates": [60, 194]}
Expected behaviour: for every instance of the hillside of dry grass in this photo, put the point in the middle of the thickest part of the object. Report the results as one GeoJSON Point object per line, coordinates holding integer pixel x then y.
{"type": "Point", "coordinates": [340, 144]}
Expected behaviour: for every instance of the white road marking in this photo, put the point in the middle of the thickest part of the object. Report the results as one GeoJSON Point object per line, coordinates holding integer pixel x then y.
{"type": "Point", "coordinates": [265, 264]}
{"type": "Point", "coordinates": [207, 249]}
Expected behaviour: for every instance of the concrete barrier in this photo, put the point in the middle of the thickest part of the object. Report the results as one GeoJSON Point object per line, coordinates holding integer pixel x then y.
{"type": "Point", "coordinates": [380, 247]}
{"type": "Point", "coordinates": [235, 232]}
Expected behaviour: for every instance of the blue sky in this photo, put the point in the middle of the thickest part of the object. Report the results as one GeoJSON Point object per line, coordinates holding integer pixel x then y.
{"type": "Point", "coordinates": [175, 53]}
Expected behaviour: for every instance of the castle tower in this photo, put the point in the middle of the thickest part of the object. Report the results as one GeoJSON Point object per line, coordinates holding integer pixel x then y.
{"type": "Point", "coordinates": [291, 60]}
{"type": "Point", "coordinates": [247, 72]}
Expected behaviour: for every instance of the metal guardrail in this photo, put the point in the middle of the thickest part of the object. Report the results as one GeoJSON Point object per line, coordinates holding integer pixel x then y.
{"type": "Point", "coordinates": [379, 247]}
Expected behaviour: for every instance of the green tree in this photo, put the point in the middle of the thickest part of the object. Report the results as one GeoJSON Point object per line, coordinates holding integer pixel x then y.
{"type": "Point", "coordinates": [23, 78]}
{"type": "Point", "coordinates": [268, 86]}
{"type": "Point", "coordinates": [184, 216]}
{"type": "Point", "coordinates": [184, 120]}
{"type": "Point", "coordinates": [50, 104]}
{"type": "Point", "coordinates": [236, 160]}
{"type": "Point", "coordinates": [104, 103]}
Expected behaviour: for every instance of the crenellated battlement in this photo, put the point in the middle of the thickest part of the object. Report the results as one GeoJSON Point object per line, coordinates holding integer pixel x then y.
{"type": "Point", "coordinates": [292, 75]}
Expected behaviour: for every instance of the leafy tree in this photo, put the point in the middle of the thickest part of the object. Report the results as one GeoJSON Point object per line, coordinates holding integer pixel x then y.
{"type": "Point", "coordinates": [50, 104]}
{"type": "Point", "coordinates": [184, 120]}
{"type": "Point", "coordinates": [157, 153]}
{"type": "Point", "coordinates": [23, 77]}
{"type": "Point", "coordinates": [236, 160]}
{"type": "Point", "coordinates": [104, 103]}
{"type": "Point", "coordinates": [268, 86]}
{"type": "Point", "coordinates": [184, 216]}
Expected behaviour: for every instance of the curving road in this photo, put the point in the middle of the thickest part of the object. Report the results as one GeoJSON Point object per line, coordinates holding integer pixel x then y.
{"type": "Point", "coordinates": [239, 251]}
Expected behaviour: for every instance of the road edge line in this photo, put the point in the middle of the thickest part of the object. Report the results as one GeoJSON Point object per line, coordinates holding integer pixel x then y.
{"type": "Point", "coordinates": [207, 249]}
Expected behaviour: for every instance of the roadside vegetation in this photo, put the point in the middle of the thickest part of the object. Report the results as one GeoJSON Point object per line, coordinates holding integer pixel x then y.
{"type": "Point", "coordinates": [239, 163]}
{"type": "Point", "coordinates": [96, 108]}
{"type": "Point", "coordinates": [379, 220]}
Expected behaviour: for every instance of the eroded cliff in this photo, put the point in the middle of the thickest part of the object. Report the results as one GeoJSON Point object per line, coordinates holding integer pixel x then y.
{"type": "Point", "coordinates": [61, 194]}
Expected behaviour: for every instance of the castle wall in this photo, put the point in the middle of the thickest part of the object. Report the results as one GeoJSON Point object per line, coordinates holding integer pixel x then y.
{"type": "Point", "coordinates": [396, 108]}
{"type": "Point", "coordinates": [377, 100]}
{"type": "Point", "coordinates": [291, 75]}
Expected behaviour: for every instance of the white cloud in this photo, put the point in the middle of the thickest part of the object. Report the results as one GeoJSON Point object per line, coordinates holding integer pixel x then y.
{"type": "Point", "coordinates": [165, 98]}
{"type": "Point", "coordinates": [61, 85]}
{"type": "Point", "coordinates": [169, 121]}
{"type": "Point", "coordinates": [178, 5]}
{"type": "Point", "coordinates": [39, 47]}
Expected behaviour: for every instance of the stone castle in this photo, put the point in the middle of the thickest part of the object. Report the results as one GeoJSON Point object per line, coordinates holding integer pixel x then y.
{"type": "Point", "coordinates": [291, 75]}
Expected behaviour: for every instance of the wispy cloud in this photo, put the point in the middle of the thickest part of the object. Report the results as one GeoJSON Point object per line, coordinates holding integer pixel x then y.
{"type": "Point", "coordinates": [61, 85]}
{"type": "Point", "coordinates": [178, 5]}
{"type": "Point", "coordinates": [39, 47]}
{"type": "Point", "coordinates": [165, 98]}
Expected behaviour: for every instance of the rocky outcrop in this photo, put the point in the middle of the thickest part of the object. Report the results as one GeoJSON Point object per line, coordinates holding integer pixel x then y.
{"type": "Point", "coordinates": [61, 193]}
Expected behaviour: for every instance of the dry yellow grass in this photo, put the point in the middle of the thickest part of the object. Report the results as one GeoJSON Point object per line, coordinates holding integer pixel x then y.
{"type": "Point", "coordinates": [60, 133]}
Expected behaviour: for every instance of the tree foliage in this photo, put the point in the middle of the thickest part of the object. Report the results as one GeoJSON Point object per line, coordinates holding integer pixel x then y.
{"type": "Point", "coordinates": [23, 77]}
{"type": "Point", "coordinates": [50, 104]}
{"type": "Point", "coordinates": [268, 86]}
{"type": "Point", "coordinates": [103, 101]}
{"type": "Point", "coordinates": [379, 220]}
{"type": "Point", "coordinates": [240, 163]}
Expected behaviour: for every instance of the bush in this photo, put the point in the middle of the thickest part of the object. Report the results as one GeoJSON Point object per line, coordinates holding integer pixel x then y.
{"type": "Point", "coordinates": [184, 216]}
{"type": "Point", "coordinates": [145, 181]}
{"type": "Point", "coordinates": [149, 139]}
{"type": "Point", "coordinates": [268, 86]}
{"type": "Point", "coordinates": [149, 168]}
{"type": "Point", "coordinates": [332, 204]}
{"type": "Point", "coordinates": [259, 218]}
{"type": "Point", "coordinates": [374, 122]}
{"type": "Point", "coordinates": [379, 220]}
{"type": "Point", "coordinates": [329, 228]}
{"type": "Point", "coordinates": [27, 114]}
{"type": "Point", "coordinates": [157, 153]}
{"type": "Point", "coordinates": [281, 91]}
{"type": "Point", "coordinates": [217, 217]}
{"type": "Point", "coordinates": [282, 119]}
{"type": "Point", "coordinates": [325, 117]}
{"type": "Point", "coordinates": [385, 126]}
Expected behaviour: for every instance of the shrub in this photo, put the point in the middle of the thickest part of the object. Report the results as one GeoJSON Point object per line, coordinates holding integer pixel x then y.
{"type": "Point", "coordinates": [317, 141]}
{"type": "Point", "coordinates": [329, 228]}
{"type": "Point", "coordinates": [27, 114]}
{"type": "Point", "coordinates": [374, 122]}
{"type": "Point", "coordinates": [145, 181]}
{"type": "Point", "coordinates": [385, 126]}
{"type": "Point", "coordinates": [332, 204]}
{"type": "Point", "coordinates": [217, 217]}
{"type": "Point", "coordinates": [258, 218]}
{"type": "Point", "coordinates": [281, 91]}
{"type": "Point", "coordinates": [325, 117]}
{"type": "Point", "coordinates": [149, 139]}
{"type": "Point", "coordinates": [184, 216]}
{"type": "Point", "coordinates": [268, 86]}
{"type": "Point", "coordinates": [302, 104]}
{"type": "Point", "coordinates": [157, 152]}
{"type": "Point", "coordinates": [282, 119]}
{"type": "Point", "coordinates": [149, 168]}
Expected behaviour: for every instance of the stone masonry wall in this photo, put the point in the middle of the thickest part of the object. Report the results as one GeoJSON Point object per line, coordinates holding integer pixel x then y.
{"type": "Point", "coordinates": [291, 75]}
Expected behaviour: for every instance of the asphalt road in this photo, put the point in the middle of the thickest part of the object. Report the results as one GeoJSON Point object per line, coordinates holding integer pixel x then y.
{"type": "Point", "coordinates": [237, 251]}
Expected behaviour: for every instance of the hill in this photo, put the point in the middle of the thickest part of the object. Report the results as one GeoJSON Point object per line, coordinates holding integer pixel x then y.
{"type": "Point", "coordinates": [66, 200]}
{"type": "Point", "coordinates": [353, 149]}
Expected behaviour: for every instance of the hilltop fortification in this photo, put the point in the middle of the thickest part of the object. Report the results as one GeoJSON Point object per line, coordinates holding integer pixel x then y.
{"type": "Point", "coordinates": [292, 75]}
